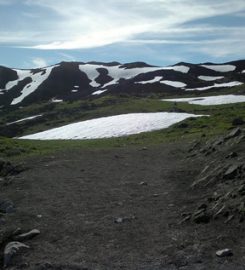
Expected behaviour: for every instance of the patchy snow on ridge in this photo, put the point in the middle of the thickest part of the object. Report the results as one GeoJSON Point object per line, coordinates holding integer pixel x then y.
{"type": "Point", "coordinates": [37, 79]}
{"type": "Point", "coordinates": [24, 119]}
{"type": "Point", "coordinates": [220, 68]}
{"type": "Point", "coordinates": [112, 126]}
{"type": "Point", "coordinates": [210, 78]}
{"type": "Point", "coordinates": [174, 83]}
{"type": "Point", "coordinates": [156, 79]}
{"type": "Point", "coordinates": [216, 85]}
{"type": "Point", "coordinates": [211, 100]}
{"type": "Point", "coordinates": [180, 68]}
{"type": "Point", "coordinates": [91, 72]}
{"type": "Point", "coordinates": [22, 74]}
{"type": "Point", "coordinates": [118, 72]}
{"type": "Point", "coordinates": [99, 92]}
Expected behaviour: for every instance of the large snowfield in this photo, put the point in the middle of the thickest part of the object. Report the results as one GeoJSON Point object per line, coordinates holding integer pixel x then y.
{"type": "Point", "coordinates": [211, 100]}
{"type": "Point", "coordinates": [112, 126]}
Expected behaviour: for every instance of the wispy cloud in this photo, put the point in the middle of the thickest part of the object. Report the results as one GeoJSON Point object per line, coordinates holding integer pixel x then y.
{"type": "Point", "coordinates": [88, 24]}
{"type": "Point", "coordinates": [38, 62]}
{"type": "Point", "coordinates": [143, 28]}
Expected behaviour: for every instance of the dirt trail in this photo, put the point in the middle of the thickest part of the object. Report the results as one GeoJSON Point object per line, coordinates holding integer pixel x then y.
{"type": "Point", "coordinates": [116, 209]}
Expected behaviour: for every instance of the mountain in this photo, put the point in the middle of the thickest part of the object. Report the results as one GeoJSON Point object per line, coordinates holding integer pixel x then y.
{"type": "Point", "coordinates": [69, 81]}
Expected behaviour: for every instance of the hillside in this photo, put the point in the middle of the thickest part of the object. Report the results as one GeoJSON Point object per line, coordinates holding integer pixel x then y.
{"type": "Point", "coordinates": [111, 166]}
{"type": "Point", "coordinates": [69, 81]}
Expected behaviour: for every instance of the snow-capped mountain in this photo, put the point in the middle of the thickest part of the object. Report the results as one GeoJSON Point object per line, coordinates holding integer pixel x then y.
{"type": "Point", "coordinates": [76, 80]}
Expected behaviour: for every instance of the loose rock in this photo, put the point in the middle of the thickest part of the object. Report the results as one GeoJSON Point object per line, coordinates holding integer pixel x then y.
{"type": "Point", "coordinates": [224, 253]}
{"type": "Point", "coordinates": [7, 206]}
{"type": "Point", "coordinates": [26, 236]}
{"type": "Point", "coordinates": [10, 250]}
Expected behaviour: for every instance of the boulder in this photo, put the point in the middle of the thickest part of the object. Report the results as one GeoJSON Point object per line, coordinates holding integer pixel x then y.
{"type": "Point", "coordinates": [11, 249]}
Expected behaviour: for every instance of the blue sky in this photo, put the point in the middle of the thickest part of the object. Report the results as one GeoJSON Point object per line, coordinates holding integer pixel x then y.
{"type": "Point", "coordinates": [36, 33]}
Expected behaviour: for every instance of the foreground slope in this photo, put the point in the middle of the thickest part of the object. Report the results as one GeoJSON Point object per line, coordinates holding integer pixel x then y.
{"type": "Point", "coordinates": [127, 207]}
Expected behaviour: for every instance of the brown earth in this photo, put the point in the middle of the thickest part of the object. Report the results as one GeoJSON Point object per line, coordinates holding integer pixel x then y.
{"type": "Point", "coordinates": [118, 209]}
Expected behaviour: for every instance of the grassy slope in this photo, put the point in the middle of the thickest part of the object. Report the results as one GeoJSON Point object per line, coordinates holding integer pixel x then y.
{"type": "Point", "coordinates": [59, 114]}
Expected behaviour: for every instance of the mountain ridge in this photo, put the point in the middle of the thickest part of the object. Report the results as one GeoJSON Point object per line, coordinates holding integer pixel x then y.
{"type": "Point", "coordinates": [71, 81]}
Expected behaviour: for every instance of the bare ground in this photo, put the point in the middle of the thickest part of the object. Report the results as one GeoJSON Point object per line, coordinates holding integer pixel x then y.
{"type": "Point", "coordinates": [95, 212]}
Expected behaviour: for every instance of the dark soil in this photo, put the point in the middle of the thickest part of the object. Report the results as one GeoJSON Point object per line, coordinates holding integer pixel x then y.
{"type": "Point", "coordinates": [118, 209]}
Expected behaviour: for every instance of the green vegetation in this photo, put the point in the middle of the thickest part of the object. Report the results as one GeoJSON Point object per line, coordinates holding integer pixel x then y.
{"type": "Point", "coordinates": [54, 115]}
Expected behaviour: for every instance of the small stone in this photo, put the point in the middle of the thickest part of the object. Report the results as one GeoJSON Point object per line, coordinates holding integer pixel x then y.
{"type": "Point", "coordinates": [143, 183]}
{"type": "Point", "coordinates": [119, 220]}
{"type": "Point", "coordinates": [224, 253]}
{"type": "Point", "coordinates": [232, 171]}
{"type": "Point", "coordinates": [26, 236]}
{"type": "Point", "coordinates": [7, 207]}
{"type": "Point", "coordinates": [201, 216]}
{"type": "Point", "coordinates": [202, 206]}
{"type": "Point", "coordinates": [232, 155]}
{"type": "Point", "coordinates": [234, 133]}
{"type": "Point", "coordinates": [39, 216]}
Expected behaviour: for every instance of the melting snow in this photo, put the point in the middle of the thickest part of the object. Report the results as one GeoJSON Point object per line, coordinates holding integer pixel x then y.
{"type": "Point", "coordinates": [37, 79]}
{"type": "Point", "coordinates": [180, 68]}
{"type": "Point", "coordinates": [91, 72]}
{"type": "Point", "coordinates": [117, 72]}
{"type": "Point", "coordinates": [156, 79]}
{"type": "Point", "coordinates": [99, 92]}
{"type": "Point", "coordinates": [25, 119]}
{"type": "Point", "coordinates": [174, 83]}
{"type": "Point", "coordinates": [210, 78]}
{"type": "Point", "coordinates": [216, 85]}
{"type": "Point", "coordinates": [54, 100]}
{"type": "Point", "coordinates": [112, 126]}
{"type": "Point", "coordinates": [220, 68]}
{"type": "Point", "coordinates": [212, 100]}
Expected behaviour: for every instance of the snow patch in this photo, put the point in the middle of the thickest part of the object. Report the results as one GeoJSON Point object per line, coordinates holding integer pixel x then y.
{"type": "Point", "coordinates": [216, 85]}
{"type": "Point", "coordinates": [99, 92]}
{"type": "Point", "coordinates": [74, 90]}
{"type": "Point", "coordinates": [25, 119]}
{"type": "Point", "coordinates": [156, 79]}
{"type": "Point", "coordinates": [112, 126]}
{"type": "Point", "coordinates": [37, 79]}
{"type": "Point", "coordinates": [174, 83]}
{"type": "Point", "coordinates": [119, 72]}
{"type": "Point", "coordinates": [91, 72]}
{"type": "Point", "coordinates": [180, 68]}
{"type": "Point", "coordinates": [220, 68]}
{"type": "Point", "coordinates": [210, 78]}
{"type": "Point", "coordinates": [211, 100]}
{"type": "Point", "coordinates": [54, 100]}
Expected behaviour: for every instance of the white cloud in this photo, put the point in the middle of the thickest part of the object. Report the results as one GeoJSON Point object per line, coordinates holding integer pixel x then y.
{"type": "Point", "coordinates": [39, 62]}
{"type": "Point", "coordinates": [88, 24]}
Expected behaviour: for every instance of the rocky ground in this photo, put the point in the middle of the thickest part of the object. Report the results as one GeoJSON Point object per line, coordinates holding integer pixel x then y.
{"type": "Point", "coordinates": [171, 206]}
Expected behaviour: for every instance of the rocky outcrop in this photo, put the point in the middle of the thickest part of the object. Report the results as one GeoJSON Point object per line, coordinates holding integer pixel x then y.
{"type": "Point", "coordinates": [222, 178]}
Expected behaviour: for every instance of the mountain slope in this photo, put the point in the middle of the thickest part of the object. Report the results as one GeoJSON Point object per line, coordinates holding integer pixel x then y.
{"type": "Point", "coordinates": [69, 81]}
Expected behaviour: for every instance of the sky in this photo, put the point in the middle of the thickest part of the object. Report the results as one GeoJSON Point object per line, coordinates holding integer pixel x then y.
{"type": "Point", "coordinates": [37, 33]}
